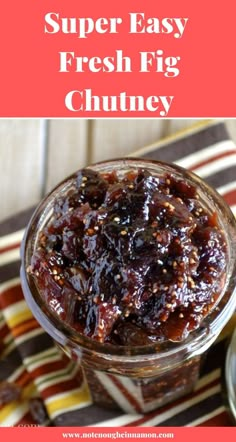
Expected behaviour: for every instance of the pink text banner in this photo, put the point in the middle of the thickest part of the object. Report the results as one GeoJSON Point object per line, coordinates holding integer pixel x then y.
{"type": "Point", "coordinates": [152, 59]}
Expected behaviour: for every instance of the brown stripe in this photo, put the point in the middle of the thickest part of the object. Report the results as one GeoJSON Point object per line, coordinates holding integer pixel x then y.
{"type": "Point", "coordinates": [194, 411]}
{"type": "Point", "coordinates": [9, 364]}
{"type": "Point", "coordinates": [222, 177]}
{"type": "Point", "coordinates": [179, 401]}
{"type": "Point", "coordinates": [25, 327]}
{"type": "Point", "coordinates": [215, 357]}
{"type": "Point", "coordinates": [11, 296]}
{"type": "Point", "coordinates": [35, 345]}
{"type": "Point", "coordinates": [16, 222]}
{"type": "Point", "coordinates": [9, 271]}
{"type": "Point", "coordinates": [190, 144]}
{"type": "Point", "coordinates": [89, 415]}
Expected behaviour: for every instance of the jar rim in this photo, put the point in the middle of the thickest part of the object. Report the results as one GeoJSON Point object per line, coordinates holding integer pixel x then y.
{"type": "Point", "coordinates": [62, 331]}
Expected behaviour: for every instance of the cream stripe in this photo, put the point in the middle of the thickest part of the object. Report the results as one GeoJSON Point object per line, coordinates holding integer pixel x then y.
{"type": "Point", "coordinates": [118, 421]}
{"type": "Point", "coordinates": [31, 334]}
{"type": "Point", "coordinates": [50, 359]}
{"type": "Point", "coordinates": [227, 188]}
{"type": "Point", "coordinates": [60, 376]}
{"type": "Point", "coordinates": [8, 349]}
{"type": "Point", "coordinates": [9, 284]}
{"type": "Point", "coordinates": [11, 238]}
{"type": "Point", "coordinates": [64, 395]}
{"type": "Point", "coordinates": [17, 313]}
{"type": "Point", "coordinates": [202, 382]}
{"type": "Point", "coordinates": [132, 418]}
{"type": "Point", "coordinates": [40, 355]}
{"type": "Point", "coordinates": [67, 401]}
{"type": "Point", "coordinates": [58, 373]}
{"type": "Point", "coordinates": [181, 407]}
{"type": "Point", "coordinates": [137, 395]}
{"type": "Point", "coordinates": [15, 309]}
{"type": "Point", "coordinates": [16, 415]}
{"type": "Point", "coordinates": [207, 416]}
{"type": "Point", "coordinates": [114, 391]}
{"type": "Point", "coordinates": [7, 257]}
{"type": "Point", "coordinates": [132, 389]}
{"type": "Point", "coordinates": [16, 374]}
{"type": "Point", "coordinates": [233, 208]}
{"type": "Point", "coordinates": [19, 318]}
{"type": "Point", "coordinates": [162, 416]}
{"type": "Point", "coordinates": [215, 166]}
{"type": "Point", "coordinates": [8, 339]}
{"type": "Point", "coordinates": [207, 153]}
{"type": "Point", "coordinates": [56, 381]}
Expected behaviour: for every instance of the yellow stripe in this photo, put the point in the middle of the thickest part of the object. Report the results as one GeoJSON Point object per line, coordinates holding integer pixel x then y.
{"type": "Point", "coordinates": [29, 391]}
{"type": "Point", "coordinates": [9, 409]}
{"type": "Point", "coordinates": [70, 400]}
{"type": "Point", "coordinates": [15, 407]}
{"type": "Point", "coordinates": [19, 317]}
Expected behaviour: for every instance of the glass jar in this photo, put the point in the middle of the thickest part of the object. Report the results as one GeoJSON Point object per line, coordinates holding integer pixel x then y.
{"type": "Point", "coordinates": [135, 378]}
{"type": "Point", "coordinates": [230, 376]}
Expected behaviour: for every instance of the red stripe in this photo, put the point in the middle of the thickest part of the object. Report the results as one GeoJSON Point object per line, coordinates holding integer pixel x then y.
{"type": "Point", "coordinates": [126, 393]}
{"type": "Point", "coordinates": [221, 420]}
{"type": "Point", "coordinates": [23, 379]}
{"type": "Point", "coordinates": [230, 197]}
{"type": "Point", "coordinates": [26, 420]}
{"type": "Point", "coordinates": [25, 327]}
{"type": "Point", "coordinates": [11, 296]}
{"type": "Point", "coordinates": [173, 404]}
{"type": "Point", "coordinates": [210, 160]}
{"type": "Point", "coordinates": [47, 368]}
{"type": "Point", "coordinates": [61, 387]}
{"type": "Point", "coordinates": [4, 331]}
{"type": "Point", "coordinates": [11, 247]}
{"type": "Point", "coordinates": [50, 367]}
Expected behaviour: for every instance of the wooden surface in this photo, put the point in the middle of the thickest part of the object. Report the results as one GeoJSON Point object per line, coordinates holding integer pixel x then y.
{"type": "Point", "coordinates": [36, 154]}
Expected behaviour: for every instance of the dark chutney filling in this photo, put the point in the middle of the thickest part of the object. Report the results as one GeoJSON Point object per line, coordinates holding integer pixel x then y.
{"type": "Point", "coordinates": [130, 260]}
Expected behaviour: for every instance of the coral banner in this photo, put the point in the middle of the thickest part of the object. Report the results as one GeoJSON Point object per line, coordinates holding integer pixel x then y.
{"type": "Point", "coordinates": [131, 434]}
{"type": "Point", "coordinates": [117, 59]}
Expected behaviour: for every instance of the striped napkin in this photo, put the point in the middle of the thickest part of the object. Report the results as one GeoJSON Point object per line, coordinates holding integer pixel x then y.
{"type": "Point", "coordinates": [30, 359]}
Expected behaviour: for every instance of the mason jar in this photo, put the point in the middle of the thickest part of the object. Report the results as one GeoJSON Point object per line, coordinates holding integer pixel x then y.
{"type": "Point", "coordinates": [136, 378]}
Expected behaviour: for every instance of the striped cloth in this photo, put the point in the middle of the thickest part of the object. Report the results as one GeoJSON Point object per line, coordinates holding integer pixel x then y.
{"type": "Point", "coordinates": [28, 356]}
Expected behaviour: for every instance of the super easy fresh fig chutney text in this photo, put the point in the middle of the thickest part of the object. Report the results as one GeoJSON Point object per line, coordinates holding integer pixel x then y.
{"type": "Point", "coordinates": [157, 61]}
